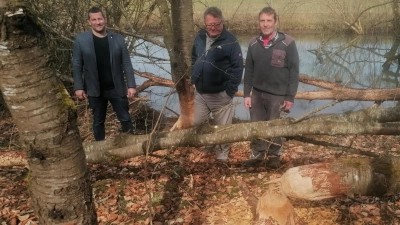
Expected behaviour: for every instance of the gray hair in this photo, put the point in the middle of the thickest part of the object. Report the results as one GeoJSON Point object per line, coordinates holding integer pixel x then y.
{"type": "Point", "coordinates": [213, 11]}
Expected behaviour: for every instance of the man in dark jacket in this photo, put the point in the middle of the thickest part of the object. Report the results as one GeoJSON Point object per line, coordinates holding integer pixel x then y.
{"type": "Point", "coordinates": [101, 62]}
{"type": "Point", "coordinates": [272, 77]}
{"type": "Point", "coordinates": [217, 68]}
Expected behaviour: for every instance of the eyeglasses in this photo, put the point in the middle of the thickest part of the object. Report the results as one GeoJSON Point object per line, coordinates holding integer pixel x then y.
{"type": "Point", "coordinates": [215, 25]}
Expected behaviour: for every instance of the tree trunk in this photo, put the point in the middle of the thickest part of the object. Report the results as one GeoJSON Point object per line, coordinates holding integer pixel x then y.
{"type": "Point", "coordinates": [59, 181]}
{"type": "Point", "coordinates": [367, 121]}
{"type": "Point", "coordinates": [178, 36]}
{"type": "Point", "coordinates": [396, 18]}
{"type": "Point", "coordinates": [339, 92]}
{"type": "Point", "coordinates": [12, 158]}
{"type": "Point", "coordinates": [350, 176]}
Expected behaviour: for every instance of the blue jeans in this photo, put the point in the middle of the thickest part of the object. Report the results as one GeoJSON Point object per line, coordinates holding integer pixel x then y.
{"type": "Point", "coordinates": [120, 106]}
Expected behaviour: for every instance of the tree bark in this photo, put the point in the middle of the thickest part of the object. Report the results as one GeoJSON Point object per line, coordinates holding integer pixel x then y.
{"type": "Point", "coordinates": [340, 92]}
{"type": "Point", "coordinates": [178, 36]}
{"type": "Point", "coordinates": [12, 158]}
{"type": "Point", "coordinates": [45, 115]}
{"type": "Point", "coordinates": [349, 176]}
{"type": "Point", "coordinates": [368, 121]}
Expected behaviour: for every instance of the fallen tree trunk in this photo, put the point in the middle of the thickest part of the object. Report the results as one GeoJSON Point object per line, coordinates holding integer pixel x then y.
{"type": "Point", "coordinates": [13, 158]}
{"type": "Point", "coordinates": [368, 121]}
{"type": "Point", "coordinates": [334, 90]}
{"type": "Point", "coordinates": [350, 176]}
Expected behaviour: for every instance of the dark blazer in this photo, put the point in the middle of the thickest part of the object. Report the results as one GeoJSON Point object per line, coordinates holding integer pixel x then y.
{"type": "Point", "coordinates": [84, 64]}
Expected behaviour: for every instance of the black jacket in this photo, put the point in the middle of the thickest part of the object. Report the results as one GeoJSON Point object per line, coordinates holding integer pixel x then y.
{"type": "Point", "coordinates": [220, 68]}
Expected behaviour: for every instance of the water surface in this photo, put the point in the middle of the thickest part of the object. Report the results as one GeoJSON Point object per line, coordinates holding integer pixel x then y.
{"type": "Point", "coordinates": [356, 62]}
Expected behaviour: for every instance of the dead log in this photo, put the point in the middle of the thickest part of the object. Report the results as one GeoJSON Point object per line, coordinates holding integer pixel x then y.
{"type": "Point", "coordinates": [12, 158]}
{"type": "Point", "coordinates": [368, 121]}
{"type": "Point", "coordinates": [349, 176]}
{"type": "Point", "coordinates": [336, 91]}
{"type": "Point", "coordinates": [341, 92]}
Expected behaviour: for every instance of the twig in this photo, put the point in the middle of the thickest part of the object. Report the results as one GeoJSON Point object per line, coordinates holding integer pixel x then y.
{"type": "Point", "coordinates": [316, 110]}
{"type": "Point", "coordinates": [54, 31]}
{"type": "Point", "coordinates": [177, 114]}
{"type": "Point", "coordinates": [12, 132]}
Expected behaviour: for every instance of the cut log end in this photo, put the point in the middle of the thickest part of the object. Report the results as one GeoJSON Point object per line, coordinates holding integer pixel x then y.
{"type": "Point", "coordinates": [275, 208]}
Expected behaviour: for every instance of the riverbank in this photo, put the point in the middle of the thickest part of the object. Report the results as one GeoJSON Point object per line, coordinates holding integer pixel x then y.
{"type": "Point", "coordinates": [300, 17]}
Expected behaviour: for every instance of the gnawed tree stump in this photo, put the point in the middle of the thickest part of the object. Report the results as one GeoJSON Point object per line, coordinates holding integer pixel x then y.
{"type": "Point", "coordinates": [362, 176]}
{"type": "Point", "coordinates": [274, 207]}
{"type": "Point", "coordinates": [350, 176]}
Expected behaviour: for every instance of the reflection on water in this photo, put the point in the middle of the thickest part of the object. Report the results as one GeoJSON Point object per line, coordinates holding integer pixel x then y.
{"type": "Point", "coordinates": [356, 62]}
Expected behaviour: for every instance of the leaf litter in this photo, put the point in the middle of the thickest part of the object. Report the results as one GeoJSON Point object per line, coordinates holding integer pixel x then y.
{"type": "Point", "coordinates": [187, 186]}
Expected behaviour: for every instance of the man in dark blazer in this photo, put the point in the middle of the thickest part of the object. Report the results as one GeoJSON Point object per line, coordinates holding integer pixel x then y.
{"type": "Point", "coordinates": [101, 64]}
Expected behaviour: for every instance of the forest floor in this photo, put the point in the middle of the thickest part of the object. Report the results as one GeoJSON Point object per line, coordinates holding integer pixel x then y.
{"type": "Point", "coordinates": [188, 186]}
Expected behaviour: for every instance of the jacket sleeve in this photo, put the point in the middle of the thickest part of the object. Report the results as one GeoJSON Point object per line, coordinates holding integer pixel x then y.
{"type": "Point", "coordinates": [293, 66]}
{"type": "Point", "coordinates": [248, 73]}
{"type": "Point", "coordinates": [127, 65]}
{"type": "Point", "coordinates": [77, 65]}
{"type": "Point", "coordinates": [236, 68]}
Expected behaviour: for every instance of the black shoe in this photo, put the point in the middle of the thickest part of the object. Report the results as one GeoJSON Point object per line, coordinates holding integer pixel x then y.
{"type": "Point", "coordinates": [254, 159]}
{"type": "Point", "coordinates": [130, 131]}
{"type": "Point", "coordinates": [222, 160]}
{"type": "Point", "coordinates": [209, 149]}
{"type": "Point", "coordinates": [273, 162]}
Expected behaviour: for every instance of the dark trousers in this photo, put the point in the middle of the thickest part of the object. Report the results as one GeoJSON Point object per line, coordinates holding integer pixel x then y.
{"type": "Point", "coordinates": [266, 107]}
{"type": "Point", "coordinates": [120, 106]}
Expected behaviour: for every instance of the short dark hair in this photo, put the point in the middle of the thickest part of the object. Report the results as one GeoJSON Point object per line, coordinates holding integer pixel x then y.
{"type": "Point", "coordinates": [213, 11]}
{"type": "Point", "coordinates": [95, 10]}
{"type": "Point", "coordinates": [270, 11]}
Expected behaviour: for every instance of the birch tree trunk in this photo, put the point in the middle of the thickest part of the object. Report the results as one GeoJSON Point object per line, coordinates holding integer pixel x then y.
{"type": "Point", "coordinates": [59, 181]}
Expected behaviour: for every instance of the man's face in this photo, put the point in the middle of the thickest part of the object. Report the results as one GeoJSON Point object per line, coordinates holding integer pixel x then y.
{"type": "Point", "coordinates": [97, 22]}
{"type": "Point", "coordinates": [267, 24]}
{"type": "Point", "coordinates": [214, 26]}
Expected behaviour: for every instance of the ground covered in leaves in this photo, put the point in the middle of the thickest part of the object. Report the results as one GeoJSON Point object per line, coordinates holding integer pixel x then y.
{"type": "Point", "coordinates": [188, 186]}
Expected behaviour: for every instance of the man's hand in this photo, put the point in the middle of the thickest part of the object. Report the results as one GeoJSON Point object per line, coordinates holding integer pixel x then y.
{"type": "Point", "coordinates": [131, 92]}
{"type": "Point", "coordinates": [287, 105]}
{"type": "Point", "coordinates": [247, 102]}
{"type": "Point", "coordinates": [80, 94]}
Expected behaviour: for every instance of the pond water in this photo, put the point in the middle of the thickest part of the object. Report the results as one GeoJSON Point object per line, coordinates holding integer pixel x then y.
{"type": "Point", "coordinates": [356, 62]}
